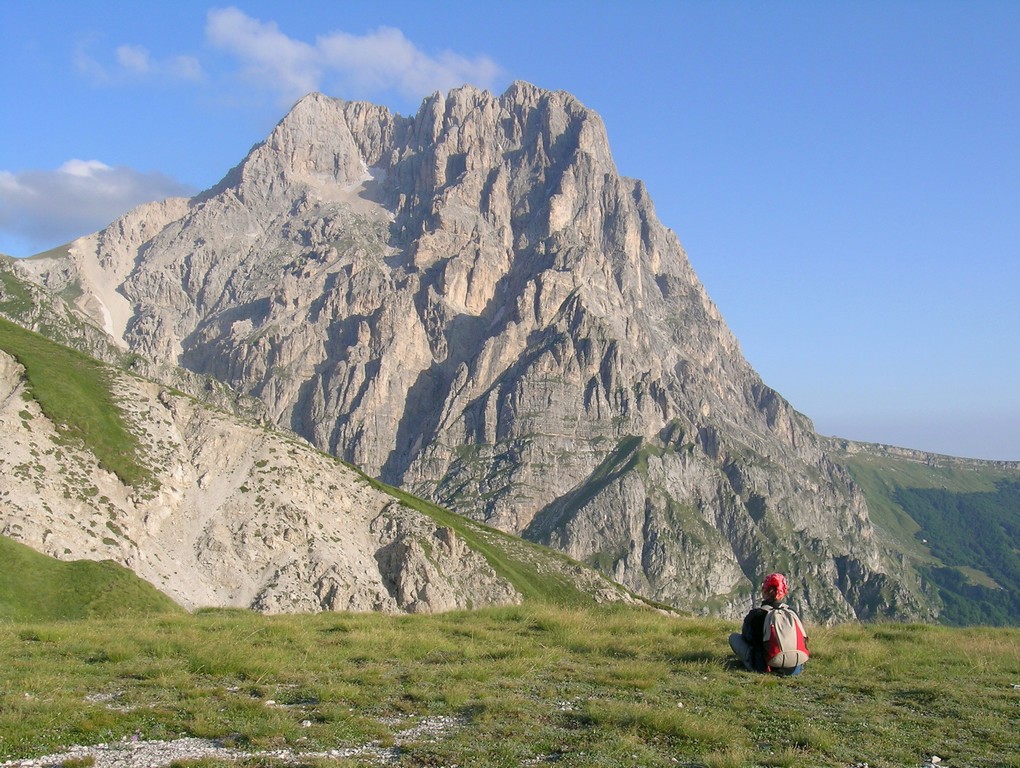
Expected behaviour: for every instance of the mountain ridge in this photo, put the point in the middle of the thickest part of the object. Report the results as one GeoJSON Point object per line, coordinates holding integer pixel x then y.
{"type": "Point", "coordinates": [930, 458]}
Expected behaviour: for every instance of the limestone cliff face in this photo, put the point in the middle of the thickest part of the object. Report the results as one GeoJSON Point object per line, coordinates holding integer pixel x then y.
{"type": "Point", "coordinates": [474, 304]}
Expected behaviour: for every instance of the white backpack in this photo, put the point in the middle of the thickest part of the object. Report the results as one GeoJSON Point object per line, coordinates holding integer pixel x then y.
{"type": "Point", "coordinates": [784, 638]}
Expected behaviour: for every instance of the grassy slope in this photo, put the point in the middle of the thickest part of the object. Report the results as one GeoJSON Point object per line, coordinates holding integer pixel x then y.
{"type": "Point", "coordinates": [528, 685]}
{"type": "Point", "coordinates": [947, 517]}
{"type": "Point", "coordinates": [73, 391]}
{"type": "Point", "coordinates": [15, 297]}
{"type": "Point", "coordinates": [34, 587]}
{"type": "Point", "coordinates": [31, 306]}
{"type": "Point", "coordinates": [540, 574]}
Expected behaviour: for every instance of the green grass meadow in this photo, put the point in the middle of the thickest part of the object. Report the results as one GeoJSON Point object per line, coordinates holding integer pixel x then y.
{"type": "Point", "coordinates": [530, 685]}
{"type": "Point", "coordinates": [34, 587]}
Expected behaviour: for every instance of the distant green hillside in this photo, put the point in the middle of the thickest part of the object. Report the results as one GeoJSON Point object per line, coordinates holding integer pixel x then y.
{"type": "Point", "coordinates": [540, 574]}
{"type": "Point", "coordinates": [958, 520]}
{"type": "Point", "coordinates": [35, 587]}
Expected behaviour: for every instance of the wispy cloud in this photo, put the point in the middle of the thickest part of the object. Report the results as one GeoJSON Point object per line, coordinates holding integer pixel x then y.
{"type": "Point", "coordinates": [350, 65]}
{"type": "Point", "coordinates": [137, 59]}
{"type": "Point", "coordinates": [135, 63]}
{"type": "Point", "coordinates": [269, 58]}
{"type": "Point", "coordinates": [47, 208]}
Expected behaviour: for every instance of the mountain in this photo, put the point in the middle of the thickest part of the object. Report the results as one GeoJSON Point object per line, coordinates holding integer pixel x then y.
{"type": "Point", "coordinates": [471, 303]}
{"type": "Point", "coordinates": [100, 464]}
{"type": "Point", "coordinates": [48, 314]}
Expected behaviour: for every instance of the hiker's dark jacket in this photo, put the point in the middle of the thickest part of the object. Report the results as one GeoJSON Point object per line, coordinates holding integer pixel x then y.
{"type": "Point", "coordinates": [752, 631]}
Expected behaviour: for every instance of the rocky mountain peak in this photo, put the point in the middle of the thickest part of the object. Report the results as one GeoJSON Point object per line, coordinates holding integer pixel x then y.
{"type": "Point", "coordinates": [473, 303]}
{"type": "Point", "coordinates": [312, 145]}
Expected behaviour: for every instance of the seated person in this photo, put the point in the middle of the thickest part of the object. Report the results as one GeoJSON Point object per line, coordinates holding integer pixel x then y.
{"type": "Point", "coordinates": [772, 638]}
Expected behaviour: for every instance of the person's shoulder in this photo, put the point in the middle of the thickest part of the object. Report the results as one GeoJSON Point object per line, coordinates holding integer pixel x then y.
{"type": "Point", "coordinates": [793, 611]}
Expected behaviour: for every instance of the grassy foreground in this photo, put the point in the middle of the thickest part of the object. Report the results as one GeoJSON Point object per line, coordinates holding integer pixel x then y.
{"type": "Point", "coordinates": [526, 686]}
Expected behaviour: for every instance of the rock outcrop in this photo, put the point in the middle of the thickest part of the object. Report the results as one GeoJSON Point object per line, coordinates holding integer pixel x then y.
{"type": "Point", "coordinates": [472, 303]}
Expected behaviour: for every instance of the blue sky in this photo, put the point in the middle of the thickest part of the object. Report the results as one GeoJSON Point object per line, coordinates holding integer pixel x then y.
{"type": "Point", "coordinates": [845, 177]}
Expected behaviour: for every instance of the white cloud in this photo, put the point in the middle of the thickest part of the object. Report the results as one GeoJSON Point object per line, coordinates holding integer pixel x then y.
{"type": "Point", "coordinates": [43, 209]}
{"type": "Point", "coordinates": [386, 59]}
{"type": "Point", "coordinates": [84, 169]}
{"type": "Point", "coordinates": [381, 61]}
{"type": "Point", "coordinates": [269, 56]}
{"type": "Point", "coordinates": [373, 65]}
{"type": "Point", "coordinates": [134, 58]}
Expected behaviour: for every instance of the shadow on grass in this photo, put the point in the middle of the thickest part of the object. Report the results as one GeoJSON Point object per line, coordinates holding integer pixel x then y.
{"type": "Point", "coordinates": [694, 657]}
{"type": "Point", "coordinates": [733, 664]}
